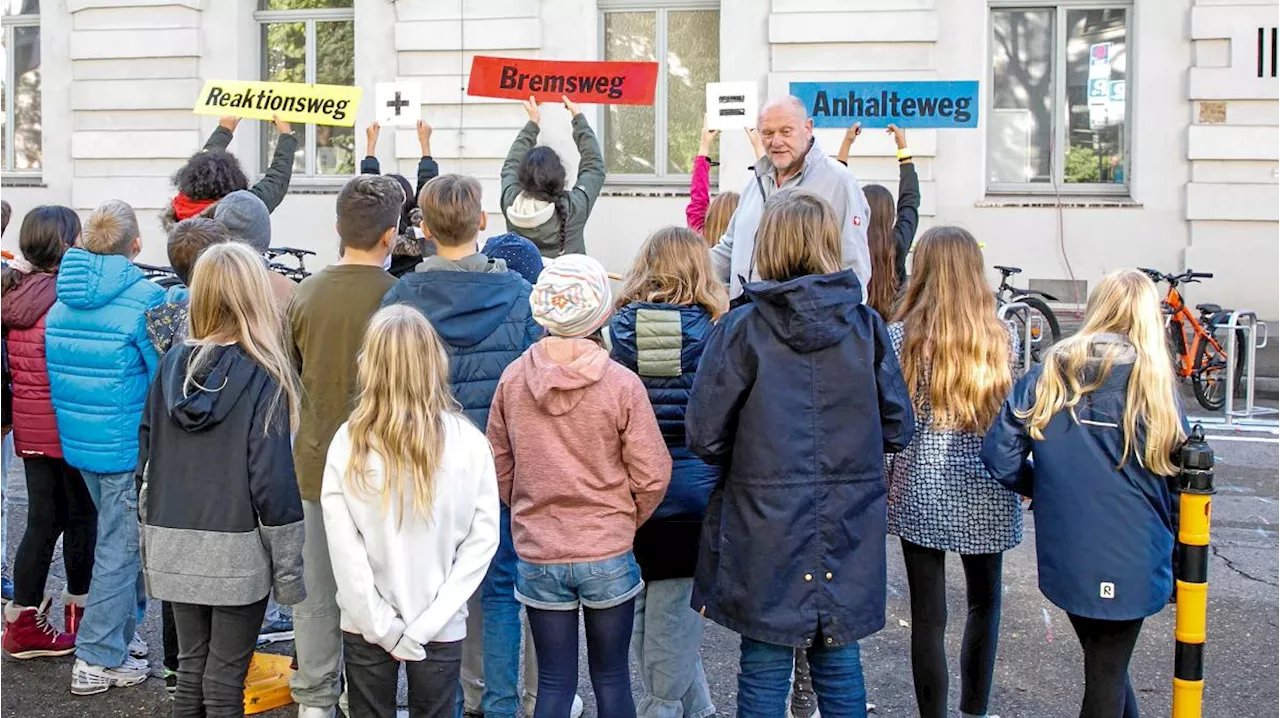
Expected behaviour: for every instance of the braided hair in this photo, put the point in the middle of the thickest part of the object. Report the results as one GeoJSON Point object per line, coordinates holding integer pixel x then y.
{"type": "Point", "coordinates": [542, 177]}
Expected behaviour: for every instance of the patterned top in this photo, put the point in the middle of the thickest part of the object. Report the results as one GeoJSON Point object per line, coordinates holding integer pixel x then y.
{"type": "Point", "coordinates": [940, 494]}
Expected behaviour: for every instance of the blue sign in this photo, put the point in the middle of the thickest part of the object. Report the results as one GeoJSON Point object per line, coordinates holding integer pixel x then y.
{"type": "Point", "coordinates": [879, 104]}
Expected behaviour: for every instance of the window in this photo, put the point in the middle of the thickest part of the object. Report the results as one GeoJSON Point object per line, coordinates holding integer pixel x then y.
{"type": "Point", "coordinates": [660, 141]}
{"type": "Point", "coordinates": [1059, 120]}
{"type": "Point", "coordinates": [311, 41]}
{"type": "Point", "coordinates": [20, 93]}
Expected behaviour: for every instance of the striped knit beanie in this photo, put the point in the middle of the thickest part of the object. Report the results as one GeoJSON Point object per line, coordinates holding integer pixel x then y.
{"type": "Point", "coordinates": [572, 298]}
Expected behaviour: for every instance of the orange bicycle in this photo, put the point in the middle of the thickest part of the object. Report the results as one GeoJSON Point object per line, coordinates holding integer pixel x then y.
{"type": "Point", "coordinates": [1198, 344]}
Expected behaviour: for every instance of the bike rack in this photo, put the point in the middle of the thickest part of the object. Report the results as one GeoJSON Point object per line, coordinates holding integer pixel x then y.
{"type": "Point", "coordinates": [1250, 417]}
{"type": "Point", "coordinates": [1004, 312]}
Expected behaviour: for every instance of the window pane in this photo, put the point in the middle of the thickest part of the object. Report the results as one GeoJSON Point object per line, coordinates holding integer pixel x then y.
{"type": "Point", "coordinates": [21, 7]}
{"type": "Point", "coordinates": [284, 59]}
{"type": "Point", "coordinates": [1021, 123]}
{"type": "Point", "coordinates": [1097, 65]}
{"type": "Point", "coordinates": [693, 60]}
{"type": "Point", "coordinates": [26, 98]}
{"type": "Point", "coordinates": [335, 65]}
{"type": "Point", "coordinates": [303, 4]}
{"type": "Point", "coordinates": [629, 129]}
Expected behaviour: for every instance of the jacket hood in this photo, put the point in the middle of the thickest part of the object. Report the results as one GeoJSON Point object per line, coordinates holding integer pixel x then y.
{"type": "Point", "coordinates": [212, 395]}
{"type": "Point", "coordinates": [464, 307]}
{"type": "Point", "coordinates": [808, 313]}
{"type": "Point", "coordinates": [30, 300]}
{"type": "Point", "coordinates": [561, 370]}
{"type": "Point", "coordinates": [527, 212]}
{"type": "Point", "coordinates": [89, 281]}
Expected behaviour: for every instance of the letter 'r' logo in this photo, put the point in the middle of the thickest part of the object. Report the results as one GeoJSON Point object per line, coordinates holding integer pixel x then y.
{"type": "Point", "coordinates": [1106, 589]}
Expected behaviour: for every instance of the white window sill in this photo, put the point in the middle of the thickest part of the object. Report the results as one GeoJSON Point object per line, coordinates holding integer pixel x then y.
{"type": "Point", "coordinates": [22, 180]}
{"type": "Point", "coordinates": [654, 190]}
{"type": "Point", "coordinates": [1054, 201]}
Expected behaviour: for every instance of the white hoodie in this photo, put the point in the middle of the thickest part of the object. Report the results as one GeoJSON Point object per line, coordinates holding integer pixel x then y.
{"type": "Point", "coordinates": [404, 586]}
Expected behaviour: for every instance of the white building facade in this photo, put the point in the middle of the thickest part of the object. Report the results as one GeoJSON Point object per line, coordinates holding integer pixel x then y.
{"type": "Point", "coordinates": [1175, 167]}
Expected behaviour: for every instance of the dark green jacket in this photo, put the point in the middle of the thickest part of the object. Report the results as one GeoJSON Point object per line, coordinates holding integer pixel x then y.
{"type": "Point", "coordinates": [275, 183]}
{"type": "Point", "coordinates": [526, 218]}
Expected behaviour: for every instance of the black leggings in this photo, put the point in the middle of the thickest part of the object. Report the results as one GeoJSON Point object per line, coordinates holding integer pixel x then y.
{"type": "Point", "coordinates": [555, 639]}
{"type": "Point", "coordinates": [926, 580]}
{"type": "Point", "coordinates": [1107, 645]}
{"type": "Point", "coordinates": [58, 504]}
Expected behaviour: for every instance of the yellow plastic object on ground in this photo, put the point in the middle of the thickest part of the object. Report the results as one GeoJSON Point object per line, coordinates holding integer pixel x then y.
{"type": "Point", "coordinates": [266, 687]}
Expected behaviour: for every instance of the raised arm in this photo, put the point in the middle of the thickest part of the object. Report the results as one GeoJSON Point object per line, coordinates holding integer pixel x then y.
{"type": "Point", "coordinates": [850, 135]}
{"type": "Point", "coordinates": [275, 182]}
{"type": "Point", "coordinates": [222, 134]}
{"type": "Point", "coordinates": [904, 228]}
{"type": "Point", "coordinates": [590, 164]}
{"type": "Point", "coordinates": [525, 140]}
{"type": "Point", "coordinates": [427, 167]}
{"type": "Point", "coordinates": [369, 165]}
{"type": "Point", "coordinates": [700, 182]}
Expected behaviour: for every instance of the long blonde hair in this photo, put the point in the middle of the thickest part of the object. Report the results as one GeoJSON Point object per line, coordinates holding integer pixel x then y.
{"type": "Point", "coordinates": [719, 212]}
{"type": "Point", "coordinates": [402, 400]}
{"type": "Point", "coordinates": [1125, 303]}
{"type": "Point", "coordinates": [231, 302]}
{"type": "Point", "coordinates": [673, 267]}
{"type": "Point", "coordinates": [798, 236]}
{"type": "Point", "coordinates": [952, 335]}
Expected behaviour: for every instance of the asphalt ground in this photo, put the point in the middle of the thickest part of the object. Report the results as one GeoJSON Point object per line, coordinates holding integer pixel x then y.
{"type": "Point", "coordinates": [1038, 669]}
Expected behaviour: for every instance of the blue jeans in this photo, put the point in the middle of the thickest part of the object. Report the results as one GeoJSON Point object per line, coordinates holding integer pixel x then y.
{"type": "Point", "coordinates": [502, 628]}
{"type": "Point", "coordinates": [765, 677]}
{"type": "Point", "coordinates": [111, 613]}
{"type": "Point", "coordinates": [667, 638]}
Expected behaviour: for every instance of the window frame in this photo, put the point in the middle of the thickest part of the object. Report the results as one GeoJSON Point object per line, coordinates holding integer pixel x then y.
{"type": "Point", "coordinates": [8, 23]}
{"type": "Point", "coordinates": [309, 18]}
{"type": "Point", "coordinates": [1057, 184]}
{"type": "Point", "coordinates": [661, 8]}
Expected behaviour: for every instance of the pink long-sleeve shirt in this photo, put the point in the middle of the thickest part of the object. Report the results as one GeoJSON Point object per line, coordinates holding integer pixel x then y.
{"type": "Point", "coordinates": [699, 193]}
{"type": "Point", "coordinates": [579, 456]}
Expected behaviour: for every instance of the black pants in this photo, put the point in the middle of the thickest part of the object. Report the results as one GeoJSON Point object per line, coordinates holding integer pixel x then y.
{"type": "Point", "coordinates": [58, 505]}
{"type": "Point", "coordinates": [1108, 646]}
{"type": "Point", "coordinates": [169, 636]}
{"type": "Point", "coordinates": [555, 639]}
{"type": "Point", "coordinates": [372, 675]}
{"type": "Point", "coordinates": [215, 646]}
{"type": "Point", "coordinates": [926, 580]}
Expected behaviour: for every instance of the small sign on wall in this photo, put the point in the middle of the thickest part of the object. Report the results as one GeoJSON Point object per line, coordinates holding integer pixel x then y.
{"type": "Point", "coordinates": [732, 105]}
{"type": "Point", "coordinates": [398, 104]}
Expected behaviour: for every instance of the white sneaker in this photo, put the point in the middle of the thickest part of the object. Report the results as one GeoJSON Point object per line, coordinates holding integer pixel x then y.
{"type": "Point", "coordinates": [529, 704]}
{"type": "Point", "coordinates": [136, 664]}
{"type": "Point", "coordinates": [313, 712]}
{"type": "Point", "coordinates": [87, 680]}
{"type": "Point", "coordinates": [576, 710]}
{"type": "Point", "coordinates": [138, 648]}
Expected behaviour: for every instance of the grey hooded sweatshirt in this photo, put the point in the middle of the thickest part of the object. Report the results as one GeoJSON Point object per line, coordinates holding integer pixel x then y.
{"type": "Point", "coordinates": [734, 256]}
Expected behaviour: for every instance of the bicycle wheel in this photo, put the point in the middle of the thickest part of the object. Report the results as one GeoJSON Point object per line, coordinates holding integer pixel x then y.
{"type": "Point", "coordinates": [1209, 372]}
{"type": "Point", "coordinates": [1045, 332]}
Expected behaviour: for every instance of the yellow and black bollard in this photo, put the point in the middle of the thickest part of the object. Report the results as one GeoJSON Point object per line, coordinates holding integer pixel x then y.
{"type": "Point", "coordinates": [1195, 487]}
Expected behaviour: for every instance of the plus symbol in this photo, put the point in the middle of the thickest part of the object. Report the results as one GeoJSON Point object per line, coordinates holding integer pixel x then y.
{"type": "Point", "coordinates": [398, 103]}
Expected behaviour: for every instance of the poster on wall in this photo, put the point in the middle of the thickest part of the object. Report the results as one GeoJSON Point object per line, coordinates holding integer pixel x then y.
{"type": "Point", "coordinates": [732, 105]}
{"type": "Point", "coordinates": [398, 104]}
{"type": "Point", "coordinates": [290, 101]}
{"type": "Point", "coordinates": [908, 104]}
{"type": "Point", "coordinates": [602, 83]}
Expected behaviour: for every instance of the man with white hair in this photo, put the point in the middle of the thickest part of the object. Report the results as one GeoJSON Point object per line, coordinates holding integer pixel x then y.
{"type": "Point", "coordinates": [792, 159]}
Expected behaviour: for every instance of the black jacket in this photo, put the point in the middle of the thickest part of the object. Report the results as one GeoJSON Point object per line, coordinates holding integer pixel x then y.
{"type": "Point", "coordinates": [798, 396]}
{"type": "Point", "coordinates": [274, 184]}
{"type": "Point", "coordinates": [221, 513]}
{"type": "Point", "coordinates": [904, 227]}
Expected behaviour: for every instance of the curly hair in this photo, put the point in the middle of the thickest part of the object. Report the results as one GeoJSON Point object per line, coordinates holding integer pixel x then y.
{"type": "Point", "coordinates": [210, 175]}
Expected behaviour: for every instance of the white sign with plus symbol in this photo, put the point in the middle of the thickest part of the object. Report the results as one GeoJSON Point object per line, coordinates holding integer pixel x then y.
{"type": "Point", "coordinates": [398, 104]}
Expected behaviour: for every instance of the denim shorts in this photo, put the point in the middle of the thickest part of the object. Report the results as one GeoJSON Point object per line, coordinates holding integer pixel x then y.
{"type": "Point", "coordinates": [563, 586]}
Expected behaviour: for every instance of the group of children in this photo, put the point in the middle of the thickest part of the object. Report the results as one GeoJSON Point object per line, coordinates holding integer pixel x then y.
{"type": "Point", "coordinates": [410, 459]}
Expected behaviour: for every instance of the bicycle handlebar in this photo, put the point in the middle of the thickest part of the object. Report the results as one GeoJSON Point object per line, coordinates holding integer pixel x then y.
{"type": "Point", "coordinates": [277, 251]}
{"type": "Point", "coordinates": [1187, 276]}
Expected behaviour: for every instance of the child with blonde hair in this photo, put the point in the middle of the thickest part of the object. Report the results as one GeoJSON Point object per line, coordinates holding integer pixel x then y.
{"type": "Point", "coordinates": [1103, 419]}
{"type": "Point", "coordinates": [665, 312]}
{"type": "Point", "coordinates": [410, 506]}
{"type": "Point", "coordinates": [220, 510]}
{"type": "Point", "coordinates": [957, 358]}
{"type": "Point", "coordinates": [797, 398]}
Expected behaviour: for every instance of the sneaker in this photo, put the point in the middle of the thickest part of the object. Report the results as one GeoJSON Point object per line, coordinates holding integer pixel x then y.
{"type": "Point", "coordinates": [170, 681]}
{"type": "Point", "coordinates": [278, 630]}
{"type": "Point", "coordinates": [72, 615]}
{"type": "Point", "coordinates": [138, 648]}
{"type": "Point", "coordinates": [30, 635]}
{"type": "Point", "coordinates": [529, 704]}
{"type": "Point", "coordinates": [314, 712]}
{"type": "Point", "coordinates": [6, 588]}
{"type": "Point", "coordinates": [87, 680]}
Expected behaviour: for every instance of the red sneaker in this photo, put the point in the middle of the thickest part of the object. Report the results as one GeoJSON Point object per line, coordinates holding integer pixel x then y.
{"type": "Point", "coordinates": [31, 636]}
{"type": "Point", "coordinates": [71, 616]}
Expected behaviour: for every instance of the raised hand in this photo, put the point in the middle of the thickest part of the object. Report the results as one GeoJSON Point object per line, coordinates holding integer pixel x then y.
{"type": "Point", "coordinates": [899, 136]}
{"type": "Point", "coordinates": [371, 138]}
{"type": "Point", "coordinates": [281, 126]}
{"type": "Point", "coordinates": [230, 123]}
{"type": "Point", "coordinates": [571, 106]}
{"type": "Point", "coordinates": [708, 137]}
{"type": "Point", "coordinates": [757, 145]}
{"type": "Point", "coordinates": [424, 138]}
{"type": "Point", "coordinates": [852, 133]}
{"type": "Point", "coordinates": [531, 109]}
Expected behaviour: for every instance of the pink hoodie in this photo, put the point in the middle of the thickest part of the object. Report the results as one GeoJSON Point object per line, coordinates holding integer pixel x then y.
{"type": "Point", "coordinates": [699, 193]}
{"type": "Point", "coordinates": [579, 456]}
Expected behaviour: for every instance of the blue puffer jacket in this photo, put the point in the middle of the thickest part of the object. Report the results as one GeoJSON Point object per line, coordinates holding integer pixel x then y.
{"type": "Point", "coordinates": [100, 359]}
{"type": "Point", "coordinates": [1104, 536]}
{"type": "Point", "coordinates": [798, 397]}
{"type": "Point", "coordinates": [663, 344]}
{"type": "Point", "coordinates": [484, 319]}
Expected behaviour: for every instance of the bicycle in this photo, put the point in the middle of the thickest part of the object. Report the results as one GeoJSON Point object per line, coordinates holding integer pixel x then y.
{"type": "Point", "coordinates": [1039, 315]}
{"type": "Point", "coordinates": [1197, 352]}
{"type": "Point", "coordinates": [163, 276]}
{"type": "Point", "coordinates": [297, 273]}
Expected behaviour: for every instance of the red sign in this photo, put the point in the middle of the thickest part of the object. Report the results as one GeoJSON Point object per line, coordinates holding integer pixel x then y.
{"type": "Point", "coordinates": [605, 83]}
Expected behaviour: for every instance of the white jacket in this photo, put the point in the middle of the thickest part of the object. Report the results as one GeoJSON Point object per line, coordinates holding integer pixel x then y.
{"type": "Point", "coordinates": [404, 586]}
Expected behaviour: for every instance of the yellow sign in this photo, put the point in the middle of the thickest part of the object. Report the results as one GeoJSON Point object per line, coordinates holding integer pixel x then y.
{"type": "Point", "coordinates": [290, 101]}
